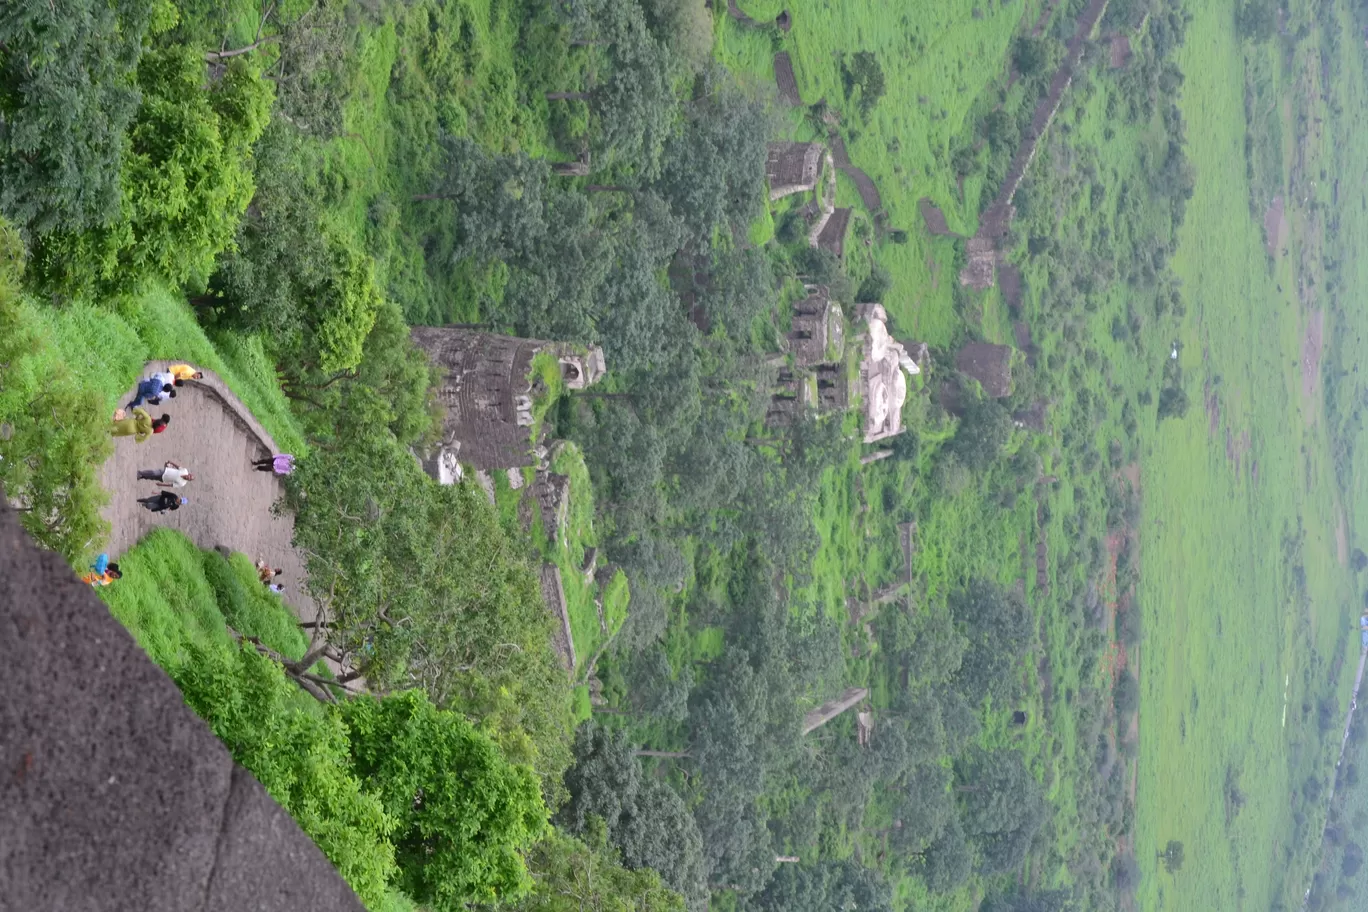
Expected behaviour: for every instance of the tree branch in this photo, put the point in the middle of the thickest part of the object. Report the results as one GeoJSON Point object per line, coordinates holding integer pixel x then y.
{"type": "Point", "coordinates": [216, 56]}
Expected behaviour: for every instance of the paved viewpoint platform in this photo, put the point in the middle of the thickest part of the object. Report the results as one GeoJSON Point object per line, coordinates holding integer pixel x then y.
{"type": "Point", "coordinates": [114, 795]}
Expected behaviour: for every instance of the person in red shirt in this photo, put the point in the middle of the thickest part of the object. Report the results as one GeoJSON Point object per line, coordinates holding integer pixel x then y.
{"type": "Point", "coordinates": [160, 424]}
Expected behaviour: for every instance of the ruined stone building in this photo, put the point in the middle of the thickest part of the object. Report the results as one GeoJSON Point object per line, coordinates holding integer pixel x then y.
{"type": "Point", "coordinates": [829, 234]}
{"type": "Point", "coordinates": [989, 364]}
{"type": "Point", "coordinates": [793, 168]}
{"type": "Point", "coordinates": [486, 389]}
{"type": "Point", "coordinates": [817, 333]}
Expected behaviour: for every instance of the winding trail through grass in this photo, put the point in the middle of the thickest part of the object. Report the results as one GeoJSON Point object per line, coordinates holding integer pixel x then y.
{"type": "Point", "coordinates": [214, 436]}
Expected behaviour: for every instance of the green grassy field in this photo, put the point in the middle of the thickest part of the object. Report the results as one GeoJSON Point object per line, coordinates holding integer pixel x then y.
{"type": "Point", "coordinates": [943, 63]}
{"type": "Point", "coordinates": [1246, 599]}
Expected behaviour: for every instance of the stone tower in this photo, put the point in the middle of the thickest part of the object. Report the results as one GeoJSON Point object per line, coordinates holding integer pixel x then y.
{"type": "Point", "coordinates": [487, 390]}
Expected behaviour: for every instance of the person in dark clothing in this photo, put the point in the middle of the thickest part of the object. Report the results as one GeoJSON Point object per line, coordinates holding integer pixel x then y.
{"type": "Point", "coordinates": [151, 392]}
{"type": "Point", "coordinates": [163, 501]}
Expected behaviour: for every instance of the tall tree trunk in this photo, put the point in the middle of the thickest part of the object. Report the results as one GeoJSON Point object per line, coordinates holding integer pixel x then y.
{"type": "Point", "coordinates": [567, 96]}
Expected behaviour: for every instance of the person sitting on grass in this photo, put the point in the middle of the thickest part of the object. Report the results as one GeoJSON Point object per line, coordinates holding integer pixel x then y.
{"type": "Point", "coordinates": [102, 572]}
{"type": "Point", "coordinates": [280, 463]}
{"type": "Point", "coordinates": [168, 476]}
{"type": "Point", "coordinates": [151, 391]}
{"type": "Point", "coordinates": [139, 425]}
{"type": "Point", "coordinates": [276, 588]}
{"type": "Point", "coordinates": [163, 501]}
{"type": "Point", "coordinates": [183, 372]}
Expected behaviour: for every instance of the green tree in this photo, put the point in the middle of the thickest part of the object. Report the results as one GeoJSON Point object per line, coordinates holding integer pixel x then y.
{"type": "Point", "coordinates": [1001, 806]}
{"type": "Point", "coordinates": [983, 431]}
{"type": "Point", "coordinates": [1126, 693]}
{"type": "Point", "coordinates": [948, 861]}
{"type": "Point", "coordinates": [67, 97]}
{"type": "Point", "coordinates": [684, 26]}
{"type": "Point", "coordinates": [863, 73]}
{"type": "Point", "coordinates": [1036, 56]}
{"type": "Point", "coordinates": [422, 587]}
{"type": "Point", "coordinates": [823, 887]}
{"type": "Point", "coordinates": [54, 434]}
{"type": "Point", "coordinates": [999, 629]}
{"type": "Point", "coordinates": [1172, 856]}
{"type": "Point", "coordinates": [633, 106]}
{"type": "Point", "coordinates": [571, 875]}
{"type": "Point", "coordinates": [1173, 402]}
{"type": "Point", "coordinates": [303, 759]}
{"type": "Point", "coordinates": [458, 838]}
{"type": "Point", "coordinates": [645, 819]}
{"type": "Point", "coordinates": [714, 164]}
{"type": "Point", "coordinates": [186, 178]}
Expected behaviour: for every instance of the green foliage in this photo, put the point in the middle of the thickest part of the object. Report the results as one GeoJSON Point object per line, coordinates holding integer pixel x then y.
{"type": "Point", "coordinates": [862, 73]}
{"type": "Point", "coordinates": [302, 758]}
{"type": "Point", "coordinates": [645, 819]}
{"type": "Point", "coordinates": [571, 874]}
{"type": "Point", "coordinates": [1257, 20]}
{"type": "Point", "coordinates": [1173, 402]}
{"type": "Point", "coordinates": [426, 589]}
{"type": "Point", "coordinates": [338, 321]}
{"type": "Point", "coordinates": [1172, 856]}
{"type": "Point", "coordinates": [713, 167]}
{"type": "Point", "coordinates": [1126, 693]}
{"type": "Point", "coordinates": [684, 26]}
{"type": "Point", "coordinates": [999, 629]}
{"type": "Point", "coordinates": [186, 179]}
{"type": "Point", "coordinates": [632, 104]}
{"type": "Point", "coordinates": [1001, 806]}
{"type": "Point", "coordinates": [1036, 56]}
{"type": "Point", "coordinates": [983, 431]}
{"type": "Point", "coordinates": [67, 97]}
{"type": "Point", "coordinates": [822, 887]}
{"type": "Point", "coordinates": [457, 838]}
{"type": "Point", "coordinates": [55, 435]}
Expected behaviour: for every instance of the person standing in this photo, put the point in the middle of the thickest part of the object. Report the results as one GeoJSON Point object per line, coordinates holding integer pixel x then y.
{"type": "Point", "coordinates": [139, 425]}
{"type": "Point", "coordinates": [168, 476]}
{"type": "Point", "coordinates": [163, 501]}
{"type": "Point", "coordinates": [280, 463]}
{"type": "Point", "coordinates": [160, 424]}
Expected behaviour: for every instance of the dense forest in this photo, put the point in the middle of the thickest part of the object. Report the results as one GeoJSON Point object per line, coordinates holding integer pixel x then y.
{"type": "Point", "coordinates": [311, 179]}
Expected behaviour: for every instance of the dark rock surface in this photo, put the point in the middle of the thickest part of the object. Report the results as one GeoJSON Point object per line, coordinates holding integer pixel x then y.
{"type": "Point", "coordinates": [114, 795]}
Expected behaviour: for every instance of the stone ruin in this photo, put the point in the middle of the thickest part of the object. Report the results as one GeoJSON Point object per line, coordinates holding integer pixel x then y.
{"type": "Point", "coordinates": [883, 376]}
{"type": "Point", "coordinates": [486, 390]}
{"type": "Point", "coordinates": [817, 333]}
{"type": "Point", "coordinates": [830, 232]}
{"type": "Point", "coordinates": [817, 342]}
{"type": "Point", "coordinates": [989, 364]}
{"type": "Point", "coordinates": [793, 167]}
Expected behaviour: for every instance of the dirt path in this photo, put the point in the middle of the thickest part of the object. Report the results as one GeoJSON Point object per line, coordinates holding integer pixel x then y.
{"type": "Point", "coordinates": [214, 436]}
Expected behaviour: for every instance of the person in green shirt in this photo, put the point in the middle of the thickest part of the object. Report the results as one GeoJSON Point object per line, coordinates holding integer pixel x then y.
{"type": "Point", "coordinates": [138, 425]}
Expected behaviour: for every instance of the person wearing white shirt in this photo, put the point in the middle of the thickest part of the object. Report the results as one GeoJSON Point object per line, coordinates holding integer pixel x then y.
{"type": "Point", "coordinates": [168, 476]}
